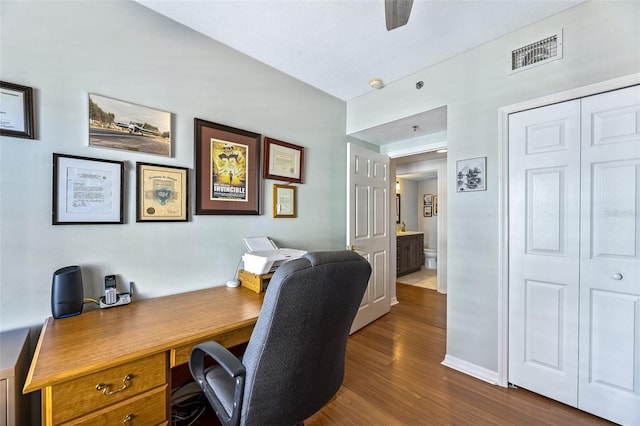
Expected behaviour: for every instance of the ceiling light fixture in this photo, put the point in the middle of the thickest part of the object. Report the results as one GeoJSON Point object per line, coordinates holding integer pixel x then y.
{"type": "Point", "coordinates": [376, 83]}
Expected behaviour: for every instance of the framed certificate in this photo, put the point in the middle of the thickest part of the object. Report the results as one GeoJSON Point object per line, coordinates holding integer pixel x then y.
{"type": "Point", "coordinates": [161, 193]}
{"type": "Point", "coordinates": [87, 190]}
{"type": "Point", "coordinates": [284, 201]}
{"type": "Point", "coordinates": [283, 161]}
{"type": "Point", "coordinates": [16, 110]}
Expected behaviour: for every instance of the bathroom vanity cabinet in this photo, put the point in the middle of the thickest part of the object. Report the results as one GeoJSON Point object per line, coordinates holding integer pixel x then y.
{"type": "Point", "coordinates": [410, 252]}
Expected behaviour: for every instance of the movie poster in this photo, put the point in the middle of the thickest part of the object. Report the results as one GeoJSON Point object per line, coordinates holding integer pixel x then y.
{"type": "Point", "coordinates": [228, 171]}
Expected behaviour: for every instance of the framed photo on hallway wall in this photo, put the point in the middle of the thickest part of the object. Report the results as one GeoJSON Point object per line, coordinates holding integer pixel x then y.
{"type": "Point", "coordinates": [471, 174]}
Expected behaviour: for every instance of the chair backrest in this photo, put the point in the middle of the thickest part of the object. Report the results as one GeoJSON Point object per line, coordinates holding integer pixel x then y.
{"type": "Point", "coordinates": [295, 356]}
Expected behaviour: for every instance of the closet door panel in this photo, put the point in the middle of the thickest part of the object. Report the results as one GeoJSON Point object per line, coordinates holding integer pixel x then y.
{"type": "Point", "coordinates": [544, 190]}
{"type": "Point", "coordinates": [609, 339]}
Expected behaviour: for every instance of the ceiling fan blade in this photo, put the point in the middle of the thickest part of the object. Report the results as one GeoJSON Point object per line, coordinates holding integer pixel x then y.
{"type": "Point", "coordinates": [397, 12]}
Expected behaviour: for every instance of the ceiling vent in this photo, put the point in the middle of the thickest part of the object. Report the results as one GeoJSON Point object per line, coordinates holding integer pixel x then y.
{"type": "Point", "coordinates": [537, 53]}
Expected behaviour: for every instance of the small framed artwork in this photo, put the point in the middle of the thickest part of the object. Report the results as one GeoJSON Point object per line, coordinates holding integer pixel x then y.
{"type": "Point", "coordinates": [161, 193]}
{"type": "Point", "coordinates": [284, 201]}
{"type": "Point", "coordinates": [435, 205]}
{"type": "Point", "coordinates": [283, 161]}
{"type": "Point", "coordinates": [227, 170]}
{"type": "Point", "coordinates": [471, 174]}
{"type": "Point", "coordinates": [16, 111]}
{"type": "Point", "coordinates": [123, 125]}
{"type": "Point", "coordinates": [87, 190]}
{"type": "Point", "coordinates": [427, 199]}
{"type": "Point", "coordinates": [397, 208]}
{"type": "Point", "coordinates": [427, 211]}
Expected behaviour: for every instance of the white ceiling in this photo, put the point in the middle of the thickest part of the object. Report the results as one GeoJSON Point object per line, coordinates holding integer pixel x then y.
{"type": "Point", "coordinates": [337, 46]}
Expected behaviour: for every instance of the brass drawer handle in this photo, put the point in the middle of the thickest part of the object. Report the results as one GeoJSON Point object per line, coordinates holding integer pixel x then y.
{"type": "Point", "coordinates": [127, 418]}
{"type": "Point", "coordinates": [105, 388]}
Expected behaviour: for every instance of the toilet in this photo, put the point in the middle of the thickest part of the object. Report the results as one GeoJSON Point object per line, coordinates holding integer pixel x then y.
{"type": "Point", "coordinates": [430, 256]}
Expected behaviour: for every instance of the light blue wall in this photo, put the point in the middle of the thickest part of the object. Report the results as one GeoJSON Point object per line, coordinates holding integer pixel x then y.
{"type": "Point", "coordinates": [64, 50]}
{"type": "Point", "coordinates": [601, 42]}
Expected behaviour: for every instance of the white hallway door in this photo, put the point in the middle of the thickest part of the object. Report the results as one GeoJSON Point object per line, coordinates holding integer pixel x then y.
{"type": "Point", "coordinates": [574, 253]}
{"type": "Point", "coordinates": [368, 227]}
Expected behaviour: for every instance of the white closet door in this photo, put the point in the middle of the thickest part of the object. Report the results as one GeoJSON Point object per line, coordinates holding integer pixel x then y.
{"type": "Point", "coordinates": [544, 217]}
{"type": "Point", "coordinates": [609, 378]}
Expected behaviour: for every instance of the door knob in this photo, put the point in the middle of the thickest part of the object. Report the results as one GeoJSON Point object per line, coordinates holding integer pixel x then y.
{"type": "Point", "coordinates": [617, 276]}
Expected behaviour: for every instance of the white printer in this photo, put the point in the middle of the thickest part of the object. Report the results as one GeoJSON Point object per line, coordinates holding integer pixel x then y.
{"type": "Point", "coordinates": [264, 256]}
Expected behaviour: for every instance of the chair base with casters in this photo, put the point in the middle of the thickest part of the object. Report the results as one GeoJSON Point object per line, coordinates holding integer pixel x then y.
{"type": "Point", "coordinates": [294, 361]}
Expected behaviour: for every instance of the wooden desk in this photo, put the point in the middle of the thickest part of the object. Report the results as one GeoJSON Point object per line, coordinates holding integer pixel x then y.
{"type": "Point", "coordinates": [131, 350]}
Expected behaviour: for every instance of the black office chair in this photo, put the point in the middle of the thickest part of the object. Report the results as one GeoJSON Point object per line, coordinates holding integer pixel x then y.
{"type": "Point", "coordinates": [294, 361]}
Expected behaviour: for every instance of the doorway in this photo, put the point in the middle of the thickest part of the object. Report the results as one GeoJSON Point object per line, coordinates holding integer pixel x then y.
{"type": "Point", "coordinates": [412, 170]}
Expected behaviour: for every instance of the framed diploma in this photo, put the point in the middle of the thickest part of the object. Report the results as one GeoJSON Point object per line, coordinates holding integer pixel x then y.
{"type": "Point", "coordinates": [283, 161]}
{"type": "Point", "coordinates": [161, 193]}
{"type": "Point", "coordinates": [87, 190]}
{"type": "Point", "coordinates": [16, 110]}
{"type": "Point", "coordinates": [284, 201]}
{"type": "Point", "coordinates": [227, 170]}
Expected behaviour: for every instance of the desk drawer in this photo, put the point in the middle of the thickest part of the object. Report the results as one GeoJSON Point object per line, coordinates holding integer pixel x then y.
{"type": "Point", "coordinates": [181, 354]}
{"type": "Point", "coordinates": [81, 396]}
{"type": "Point", "coordinates": [143, 410]}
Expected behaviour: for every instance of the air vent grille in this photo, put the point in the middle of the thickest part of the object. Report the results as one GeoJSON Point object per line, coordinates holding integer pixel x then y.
{"type": "Point", "coordinates": [537, 53]}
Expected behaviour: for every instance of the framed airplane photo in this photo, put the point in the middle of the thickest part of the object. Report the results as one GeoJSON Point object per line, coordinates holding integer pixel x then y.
{"type": "Point", "coordinates": [122, 125]}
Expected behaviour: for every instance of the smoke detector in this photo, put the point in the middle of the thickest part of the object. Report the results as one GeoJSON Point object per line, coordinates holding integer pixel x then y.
{"type": "Point", "coordinates": [539, 52]}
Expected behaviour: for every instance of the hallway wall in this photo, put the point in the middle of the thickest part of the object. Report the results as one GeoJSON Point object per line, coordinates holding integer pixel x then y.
{"type": "Point", "coordinates": [428, 225]}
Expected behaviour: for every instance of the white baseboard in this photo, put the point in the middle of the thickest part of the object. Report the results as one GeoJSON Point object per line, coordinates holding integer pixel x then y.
{"type": "Point", "coordinates": [394, 301]}
{"type": "Point", "coordinates": [473, 370]}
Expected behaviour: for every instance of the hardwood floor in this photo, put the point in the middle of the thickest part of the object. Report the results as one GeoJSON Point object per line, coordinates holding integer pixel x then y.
{"type": "Point", "coordinates": [394, 377]}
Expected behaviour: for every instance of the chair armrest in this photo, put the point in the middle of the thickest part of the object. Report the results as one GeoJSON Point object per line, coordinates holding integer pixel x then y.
{"type": "Point", "coordinates": [220, 354]}
{"type": "Point", "coordinates": [232, 366]}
